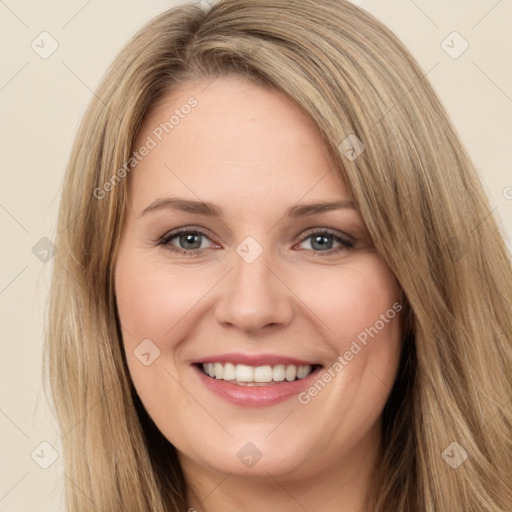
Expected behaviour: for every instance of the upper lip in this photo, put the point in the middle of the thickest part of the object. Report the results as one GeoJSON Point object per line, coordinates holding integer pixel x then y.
{"type": "Point", "coordinates": [254, 360]}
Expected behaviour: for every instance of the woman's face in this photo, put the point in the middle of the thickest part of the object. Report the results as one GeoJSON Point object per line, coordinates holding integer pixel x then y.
{"type": "Point", "coordinates": [226, 267]}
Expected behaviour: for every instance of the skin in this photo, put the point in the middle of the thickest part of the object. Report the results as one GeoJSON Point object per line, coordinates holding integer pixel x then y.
{"type": "Point", "coordinates": [253, 153]}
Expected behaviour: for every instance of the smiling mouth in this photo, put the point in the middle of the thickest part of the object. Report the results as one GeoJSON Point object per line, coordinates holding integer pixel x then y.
{"type": "Point", "coordinates": [266, 375]}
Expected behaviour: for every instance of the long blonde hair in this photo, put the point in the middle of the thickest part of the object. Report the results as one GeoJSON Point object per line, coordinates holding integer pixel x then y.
{"type": "Point", "coordinates": [418, 194]}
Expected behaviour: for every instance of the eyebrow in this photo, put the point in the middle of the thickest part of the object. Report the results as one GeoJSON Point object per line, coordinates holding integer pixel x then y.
{"type": "Point", "coordinates": [211, 210]}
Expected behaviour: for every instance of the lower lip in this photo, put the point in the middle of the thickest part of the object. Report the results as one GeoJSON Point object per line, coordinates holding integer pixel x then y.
{"type": "Point", "coordinates": [256, 396]}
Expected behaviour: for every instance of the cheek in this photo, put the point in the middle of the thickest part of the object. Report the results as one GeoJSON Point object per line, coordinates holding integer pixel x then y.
{"type": "Point", "coordinates": [157, 300]}
{"type": "Point", "coordinates": [360, 306]}
{"type": "Point", "coordinates": [162, 303]}
{"type": "Point", "coordinates": [167, 303]}
{"type": "Point", "coordinates": [352, 300]}
{"type": "Point", "coordinates": [153, 300]}
{"type": "Point", "coordinates": [153, 297]}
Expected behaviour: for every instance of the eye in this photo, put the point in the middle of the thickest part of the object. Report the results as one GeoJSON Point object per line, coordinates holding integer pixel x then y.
{"type": "Point", "coordinates": [322, 241]}
{"type": "Point", "coordinates": [186, 241]}
{"type": "Point", "coordinates": [193, 241]}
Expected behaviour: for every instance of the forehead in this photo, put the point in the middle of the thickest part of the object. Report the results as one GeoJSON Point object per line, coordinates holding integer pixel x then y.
{"type": "Point", "coordinates": [230, 139]}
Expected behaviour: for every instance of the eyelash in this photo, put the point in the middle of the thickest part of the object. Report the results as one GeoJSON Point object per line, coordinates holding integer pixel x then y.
{"type": "Point", "coordinates": [168, 237]}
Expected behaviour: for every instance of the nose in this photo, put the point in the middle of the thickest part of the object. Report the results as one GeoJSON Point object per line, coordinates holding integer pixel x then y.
{"type": "Point", "coordinates": [254, 297]}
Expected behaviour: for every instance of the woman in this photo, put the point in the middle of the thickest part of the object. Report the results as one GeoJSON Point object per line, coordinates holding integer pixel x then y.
{"type": "Point", "coordinates": [202, 354]}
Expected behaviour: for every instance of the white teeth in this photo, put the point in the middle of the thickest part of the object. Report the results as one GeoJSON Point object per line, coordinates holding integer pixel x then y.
{"type": "Point", "coordinates": [278, 372]}
{"type": "Point", "coordinates": [229, 372]}
{"type": "Point", "coordinates": [262, 374]}
{"type": "Point", "coordinates": [290, 373]}
{"type": "Point", "coordinates": [219, 370]}
{"type": "Point", "coordinates": [242, 373]}
{"type": "Point", "coordinates": [302, 371]}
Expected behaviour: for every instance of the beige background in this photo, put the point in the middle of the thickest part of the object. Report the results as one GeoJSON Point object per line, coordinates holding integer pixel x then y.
{"type": "Point", "coordinates": [41, 103]}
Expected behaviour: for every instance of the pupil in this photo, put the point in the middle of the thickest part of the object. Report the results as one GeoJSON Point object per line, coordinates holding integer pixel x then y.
{"type": "Point", "coordinates": [189, 239]}
{"type": "Point", "coordinates": [323, 241]}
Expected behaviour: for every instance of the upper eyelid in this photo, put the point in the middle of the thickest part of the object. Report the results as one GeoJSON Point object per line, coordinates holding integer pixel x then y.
{"type": "Point", "coordinates": [329, 231]}
{"type": "Point", "coordinates": [187, 229]}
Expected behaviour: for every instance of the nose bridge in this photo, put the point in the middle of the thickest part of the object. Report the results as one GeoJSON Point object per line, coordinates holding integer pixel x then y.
{"type": "Point", "coordinates": [253, 296]}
